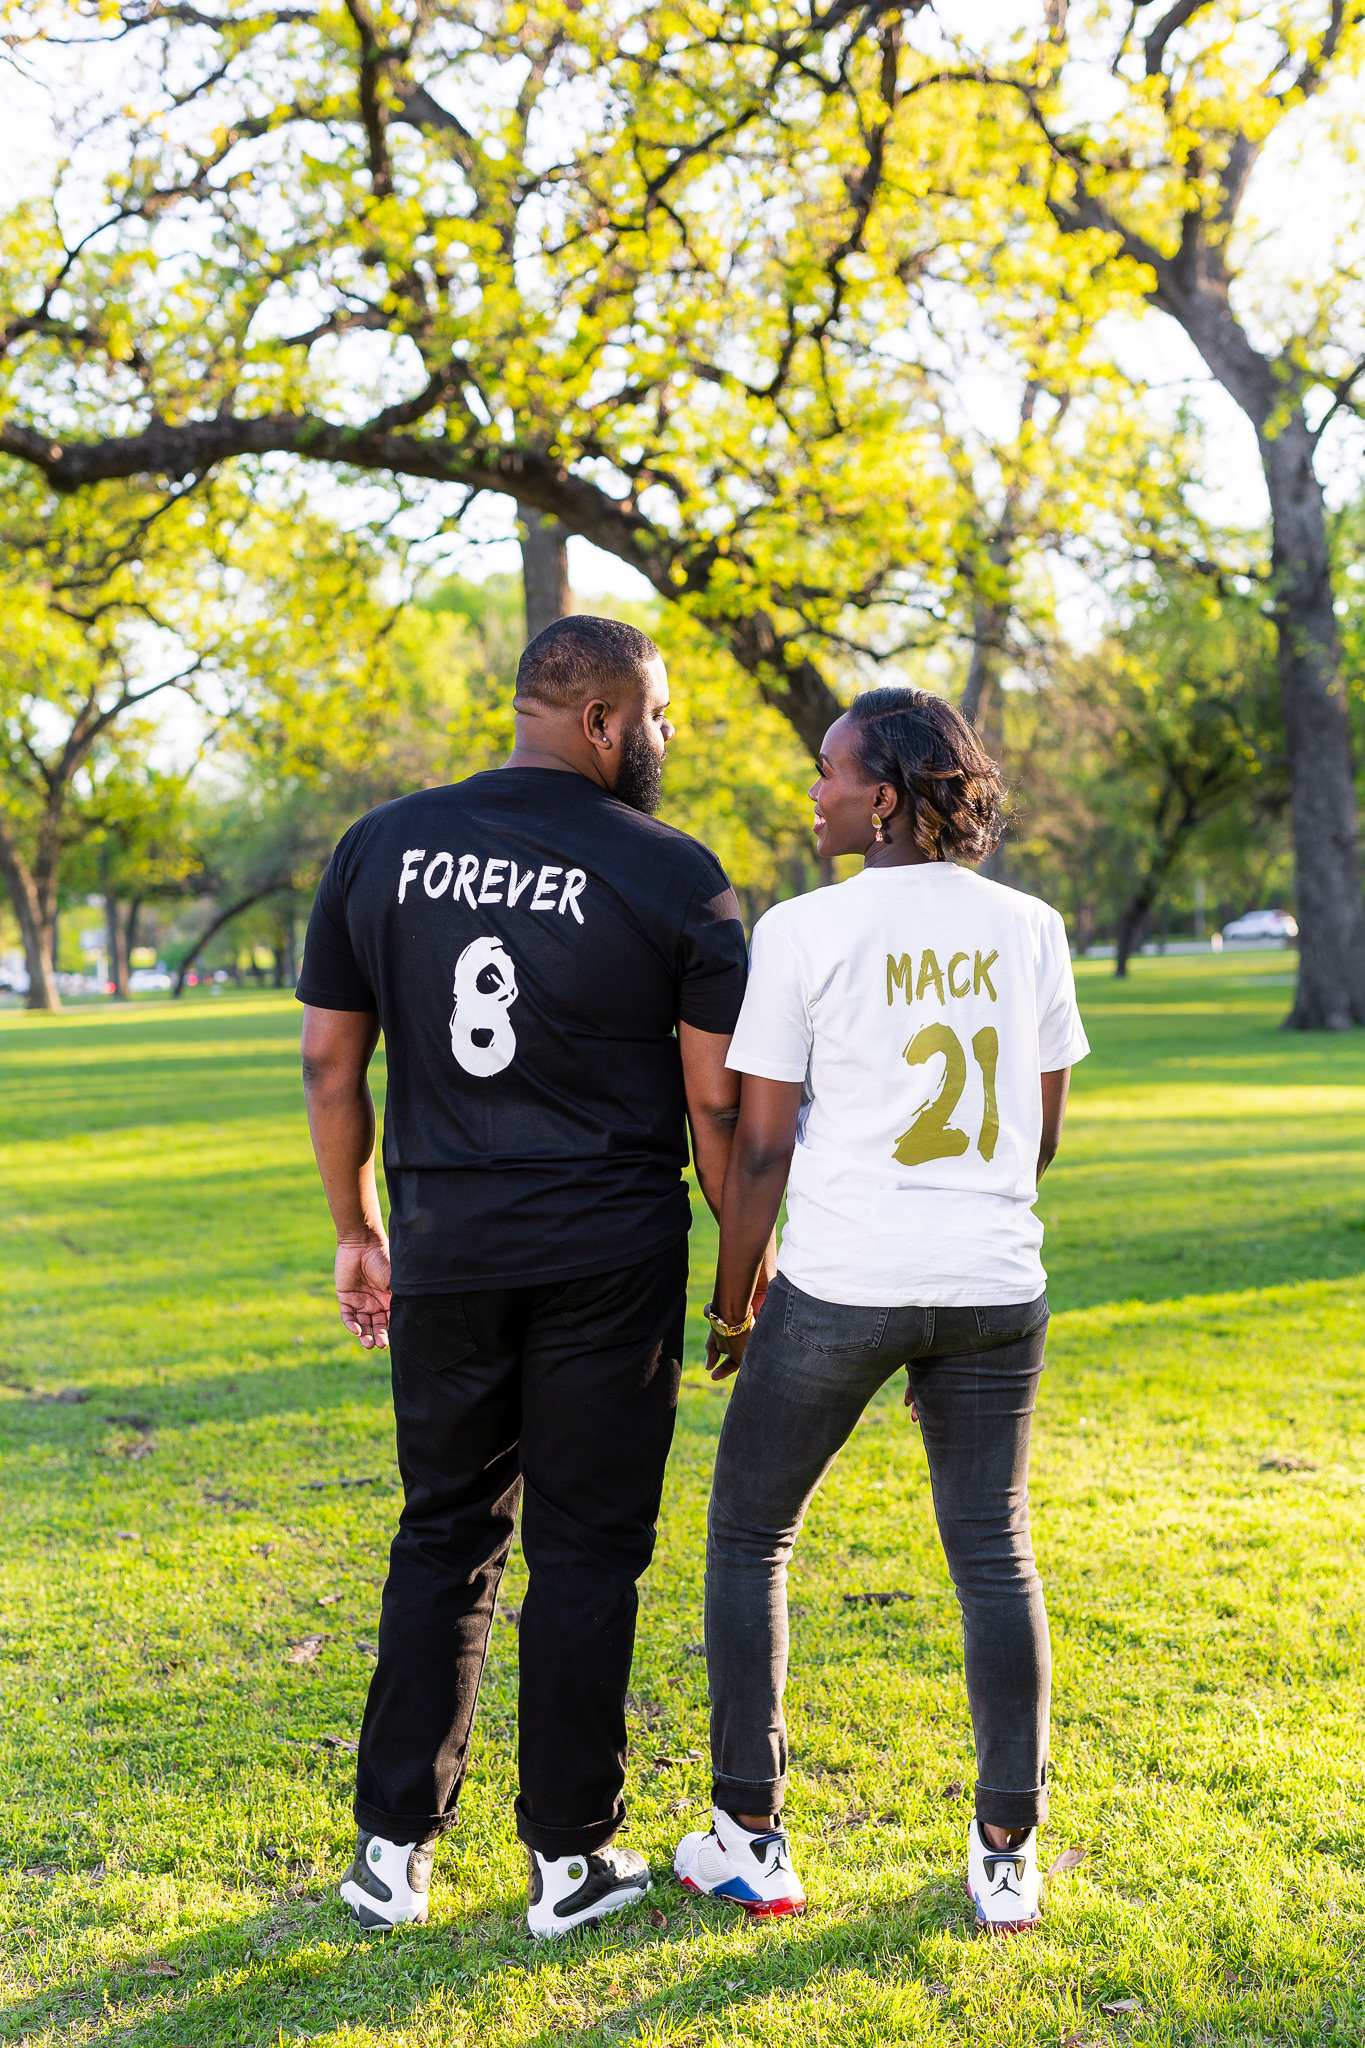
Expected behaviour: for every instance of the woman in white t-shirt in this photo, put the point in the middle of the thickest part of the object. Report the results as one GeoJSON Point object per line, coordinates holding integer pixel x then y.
{"type": "Point", "coordinates": [906, 1043]}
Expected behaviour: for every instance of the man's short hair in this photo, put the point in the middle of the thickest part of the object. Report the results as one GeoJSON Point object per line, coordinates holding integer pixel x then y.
{"type": "Point", "coordinates": [581, 657]}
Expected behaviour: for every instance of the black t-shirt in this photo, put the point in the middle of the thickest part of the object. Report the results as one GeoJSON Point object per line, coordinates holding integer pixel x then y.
{"type": "Point", "coordinates": [529, 944]}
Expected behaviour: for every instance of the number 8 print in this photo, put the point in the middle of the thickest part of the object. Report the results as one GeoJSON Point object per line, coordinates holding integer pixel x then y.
{"type": "Point", "coordinates": [931, 1136]}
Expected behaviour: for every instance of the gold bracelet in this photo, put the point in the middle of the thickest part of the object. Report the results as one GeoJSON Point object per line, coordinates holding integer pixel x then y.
{"type": "Point", "coordinates": [724, 1329]}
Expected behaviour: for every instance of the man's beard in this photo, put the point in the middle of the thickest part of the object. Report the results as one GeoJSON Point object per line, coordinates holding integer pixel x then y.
{"type": "Point", "coordinates": [641, 776]}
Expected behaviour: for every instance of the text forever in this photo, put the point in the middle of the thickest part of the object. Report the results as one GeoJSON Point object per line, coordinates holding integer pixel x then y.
{"type": "Point", "coordinates": [481, 880]}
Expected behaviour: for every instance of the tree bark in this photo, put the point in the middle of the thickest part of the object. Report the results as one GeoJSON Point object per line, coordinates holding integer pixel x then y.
{"type": "Point", "coordinates": [115, 932]}
{"type": "Point", "coordinates": [1331, 987]}
{"type": "Point", "coordinates": [130, 928]}
{"type": "Point", "coordinates": [1132, 929]}
{"type": "Point", "coordinates": [545, 572]}
{"type": "Point", "coordinates": [982, 698]}
{"type": "Point", "coordinates": [983, 701]}
{"type": "Point", "coordinates": [35, 910]}
{"type": "Point", "coordinates": [789, 682]}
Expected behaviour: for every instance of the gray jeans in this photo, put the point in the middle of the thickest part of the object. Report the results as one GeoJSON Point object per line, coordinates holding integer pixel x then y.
{"type": "Point", "coordinates": [810, 1369]}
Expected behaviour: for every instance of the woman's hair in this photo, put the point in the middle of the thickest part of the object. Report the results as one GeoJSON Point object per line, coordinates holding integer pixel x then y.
{"type": "Point", "coordinates": [937, 766]}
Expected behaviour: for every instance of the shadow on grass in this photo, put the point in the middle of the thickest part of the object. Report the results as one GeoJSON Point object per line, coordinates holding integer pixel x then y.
{"type": "Point", "coordinates": [299, 1965]}
{"type": "Point", "coordinates": [310, 1969]}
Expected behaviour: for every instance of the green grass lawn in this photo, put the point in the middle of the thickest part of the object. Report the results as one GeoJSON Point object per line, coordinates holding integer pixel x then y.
{"type": "Point", "coordinates": [176, 1791]}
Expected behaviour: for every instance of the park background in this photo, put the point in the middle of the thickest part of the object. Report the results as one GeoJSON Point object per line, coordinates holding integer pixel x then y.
{"type": "Point", "coordinates": [1014, 353]}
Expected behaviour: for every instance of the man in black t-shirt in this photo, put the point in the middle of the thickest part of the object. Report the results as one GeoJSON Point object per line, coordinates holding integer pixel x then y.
{"type": "Point", "coordinates": [556, 975]}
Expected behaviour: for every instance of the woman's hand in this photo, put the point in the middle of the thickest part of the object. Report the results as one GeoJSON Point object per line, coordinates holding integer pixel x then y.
{"type": "Point", "coordinates": [721, 1363]}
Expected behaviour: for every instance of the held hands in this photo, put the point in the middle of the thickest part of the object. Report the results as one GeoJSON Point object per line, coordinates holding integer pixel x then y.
{"type": "Point", "coordinates": [723, 1355]}
{"type": "Point", "coordinates": [721, 1363]}
{"type": "Point", "coordinates": [362, 1284]}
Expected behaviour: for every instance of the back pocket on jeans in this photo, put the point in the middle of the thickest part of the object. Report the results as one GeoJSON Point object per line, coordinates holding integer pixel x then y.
{"type": "Point", "coordinates": [1012, 1319]}
{"type": "Point", "coordinates": [832, 1325]}
{"type": "Point", "coordinates": [431, 1331]}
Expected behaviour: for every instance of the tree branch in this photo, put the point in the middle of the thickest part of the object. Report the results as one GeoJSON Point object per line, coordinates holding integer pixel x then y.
{"type": "Point", "coordinates": [274, 888]}
{"type": "Point", "coordinates": [1154, 47]}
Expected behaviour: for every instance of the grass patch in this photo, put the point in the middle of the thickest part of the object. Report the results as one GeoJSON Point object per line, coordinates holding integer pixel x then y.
{"type": "Point", "coordinates": [176, 1791]}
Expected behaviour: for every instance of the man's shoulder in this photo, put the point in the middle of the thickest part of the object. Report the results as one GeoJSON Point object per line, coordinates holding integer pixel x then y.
{"type": "Point", "coordinates": [415, 805]}
{"type": "Point", "coordinates": [678, 851]}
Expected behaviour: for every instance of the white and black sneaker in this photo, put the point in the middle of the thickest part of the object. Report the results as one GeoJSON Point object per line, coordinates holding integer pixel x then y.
{"type": "Point", "coordinates": [750, 1870]}
{"type": "Point", "coordinates": [1004, 1884]}
{"type": "Point", "coordinates": [387, 1884]}
{"type": "Point", "coordinates": [573, 1891]}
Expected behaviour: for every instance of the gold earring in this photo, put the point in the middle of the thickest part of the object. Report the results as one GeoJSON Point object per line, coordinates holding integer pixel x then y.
{"type": "Point", "coordinates": [878, 828]}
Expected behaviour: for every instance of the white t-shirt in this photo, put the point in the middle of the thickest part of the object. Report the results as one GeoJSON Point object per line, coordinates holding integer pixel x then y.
{"type": "Point", "coordinates": [919, 1005]}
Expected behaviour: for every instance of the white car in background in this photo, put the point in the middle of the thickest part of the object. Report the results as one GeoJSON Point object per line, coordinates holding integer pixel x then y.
{"type": "Point", "coordinates": [1262, 924]}
{"type": "Point", "coordinates": [145, 979]}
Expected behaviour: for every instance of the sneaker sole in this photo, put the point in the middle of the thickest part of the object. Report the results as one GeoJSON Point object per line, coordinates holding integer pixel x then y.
{"type": "Point", "coordinates": [589, 1915]}
{"type": "Point", "coordinates": [374, 1922]}
{"type": "Point", "coordinates": [1003, 1927]}
{"type": "Point", "coordinates": [757, 1909]}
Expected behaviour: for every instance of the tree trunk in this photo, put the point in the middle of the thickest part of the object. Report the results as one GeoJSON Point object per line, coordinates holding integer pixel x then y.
{"type": "Point", "coordinates": [1331, 990]}
{"type": "Point", "coordinates": [37, 925]}
{"type": "Point", "coordinates": [786, 679]}
{"type": "Point", "coordinates": [983, 701]}
{"type": "Point", "coordinates": [130, 928]}
{"type": "Point", "coordinates": [1132, 928]}
{"type": "Point", "coordinates": [116, 939]}
{"type": "Point", "coordinates": [982, 698]}
{"type": "Point", "coordinates": [545, 572]}
{"type": "Point", "coordinates": [1323, 815]}
{"type": "Point", "coordinates": [286, 970]}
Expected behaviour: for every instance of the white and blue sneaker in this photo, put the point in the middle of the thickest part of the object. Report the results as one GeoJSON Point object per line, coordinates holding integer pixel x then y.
{"type": "Point", "coordinates": [386, 1886]}
{"type": "Point", "coordinates": [1004, 1884]}
{"type": "Point", "coordinates": [753, 1871]}
{"type": "Point", "coordinates": [572, 1891]}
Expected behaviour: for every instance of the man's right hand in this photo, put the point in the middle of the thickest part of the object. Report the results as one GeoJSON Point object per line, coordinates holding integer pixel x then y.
{"type": "Point", "coordinates": [362, 1283]}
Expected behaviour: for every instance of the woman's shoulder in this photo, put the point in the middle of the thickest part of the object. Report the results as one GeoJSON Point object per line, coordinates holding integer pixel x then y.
{"type": "Point", "coordinates": [799, 922]}
{"type": "Point", "coordinates": [815, 907]}
{"type": "Point", "coordinates": [1011, 902]}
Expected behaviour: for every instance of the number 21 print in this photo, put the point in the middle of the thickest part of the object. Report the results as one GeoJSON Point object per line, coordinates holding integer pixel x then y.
{"type": "Point", "coordinates": [931, 1136]}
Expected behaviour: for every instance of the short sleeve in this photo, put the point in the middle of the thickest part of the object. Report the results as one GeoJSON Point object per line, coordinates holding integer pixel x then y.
{"type": "Point", "coordinates": [332, 978]}
{"type": "Point", "coordinates": [774, 1035]}
{"type": "Point", "coordinates": [712, 964]}
{"type": "Point", "coordinates": [1061, 1035]}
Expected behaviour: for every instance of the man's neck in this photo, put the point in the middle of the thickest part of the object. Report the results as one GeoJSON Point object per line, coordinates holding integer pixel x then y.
{"type": "Point", "coordinates": [524, 756]}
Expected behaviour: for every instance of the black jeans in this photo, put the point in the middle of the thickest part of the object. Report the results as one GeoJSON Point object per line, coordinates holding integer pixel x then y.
{"type": "Point", "coordinates": [569, 1391]}
{"type": "Point", "coordinates": [810, 1369]}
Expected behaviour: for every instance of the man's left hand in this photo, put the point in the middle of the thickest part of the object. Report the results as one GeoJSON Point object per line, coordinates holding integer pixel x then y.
{"type": "Point", "coordinates": [362, 1283]}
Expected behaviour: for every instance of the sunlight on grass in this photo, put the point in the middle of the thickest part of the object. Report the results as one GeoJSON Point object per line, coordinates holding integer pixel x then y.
{"type": "Point", "coordinates": [177, 1794]}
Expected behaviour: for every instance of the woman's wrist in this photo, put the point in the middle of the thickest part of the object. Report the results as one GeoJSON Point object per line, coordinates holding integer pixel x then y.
{"type": "Point", "coordinates": [729, 1305]}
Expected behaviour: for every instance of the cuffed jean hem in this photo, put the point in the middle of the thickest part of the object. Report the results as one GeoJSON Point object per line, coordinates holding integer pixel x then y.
{"type": "Point", "coordinates": [402, 1827]}
{"type": "Point", "coordinates": [748, 1795]}
{"type": "Point", "coordinates": [594, 1834]}
{"type": "Point", "coordinates": [1011, 1809]}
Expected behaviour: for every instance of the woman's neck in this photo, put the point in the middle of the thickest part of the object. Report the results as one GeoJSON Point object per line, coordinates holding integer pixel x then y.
{"type": "Point", "coordinates": [893, 855]}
